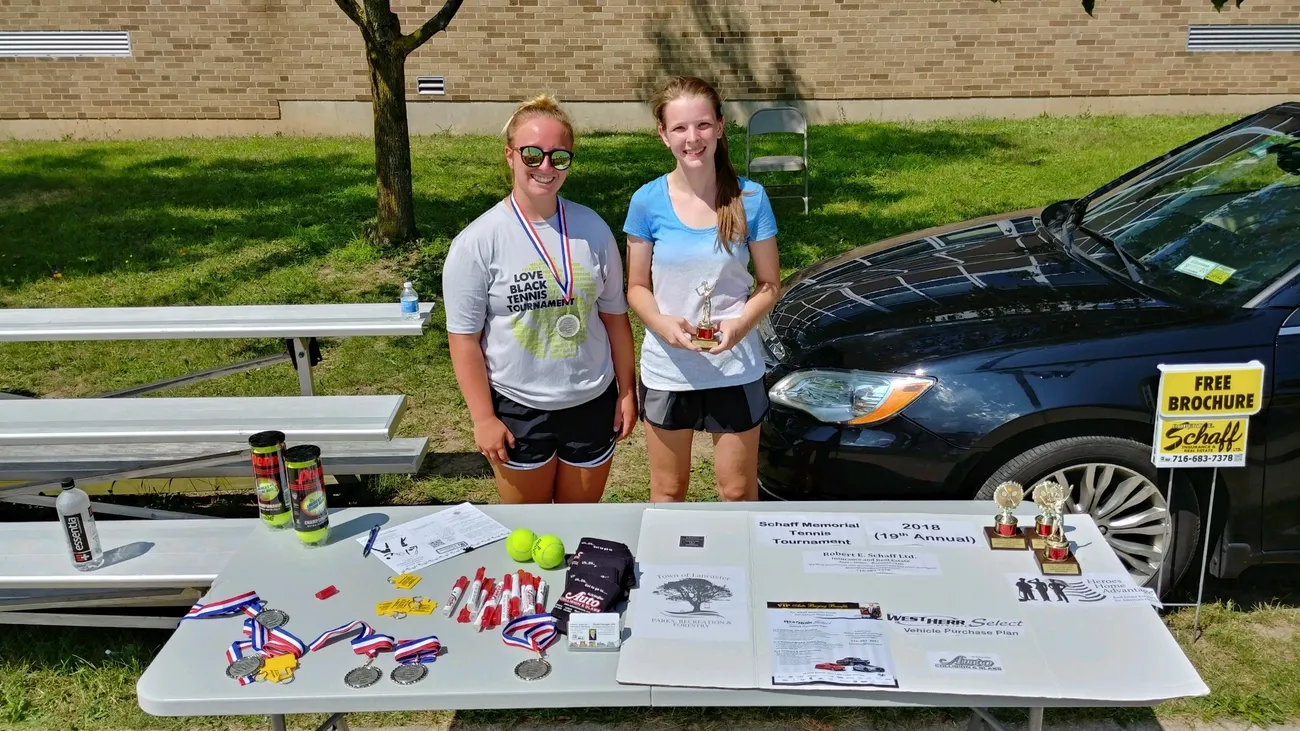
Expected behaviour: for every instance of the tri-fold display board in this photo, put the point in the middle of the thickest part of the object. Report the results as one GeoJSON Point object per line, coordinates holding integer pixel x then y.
{"type": "Point", "coordinates": [889, 602]}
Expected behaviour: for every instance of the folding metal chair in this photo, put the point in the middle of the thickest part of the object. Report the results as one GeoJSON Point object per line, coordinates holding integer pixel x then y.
{"type": "Point", "coordinates": [779, 120]}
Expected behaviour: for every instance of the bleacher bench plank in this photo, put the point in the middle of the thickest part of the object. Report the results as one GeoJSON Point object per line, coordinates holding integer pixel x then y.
{"type": "Point", "coordinates": [217, 321]}
{"type": "Point", "coordinates": [144, 554]}
{"type": "Point", "coordinates": [143, 420]}
{"type": "Point", "coordinates": [26, 462]}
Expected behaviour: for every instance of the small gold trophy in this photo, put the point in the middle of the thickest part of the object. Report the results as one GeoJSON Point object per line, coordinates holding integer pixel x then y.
{"type": "Point", "coordinates": [1005, 534]}
{"type": "Point", "coordinates": [1055, 558]}
{"type": "Point", "coordinates": [1046, 495]}
{"type": "Point", "coordinates": [706, 331]}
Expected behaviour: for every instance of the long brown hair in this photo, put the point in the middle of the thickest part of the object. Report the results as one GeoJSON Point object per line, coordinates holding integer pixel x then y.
{"type": "Point", "coordinates": [732, 226]}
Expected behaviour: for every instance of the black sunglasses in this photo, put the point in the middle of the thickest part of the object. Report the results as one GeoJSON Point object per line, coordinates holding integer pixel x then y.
{"type": "Point", "coordinates": [533, 157]}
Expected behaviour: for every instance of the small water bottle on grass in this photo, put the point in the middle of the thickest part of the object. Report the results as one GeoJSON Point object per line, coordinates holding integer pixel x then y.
{"type": "Point", "coordinates": [410, 302]}
{"type": "Point", "coordinates": [78, 519]}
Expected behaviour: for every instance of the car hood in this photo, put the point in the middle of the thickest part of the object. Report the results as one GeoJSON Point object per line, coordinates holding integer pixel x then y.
{"type": "Point", "coordinates": [994, 280]}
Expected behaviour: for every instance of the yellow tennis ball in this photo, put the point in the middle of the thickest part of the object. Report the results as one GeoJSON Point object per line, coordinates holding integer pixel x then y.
{"type": "Point", "coordinates": [548, 551]}
{"type": "Point", "coordinates": [520, 544]}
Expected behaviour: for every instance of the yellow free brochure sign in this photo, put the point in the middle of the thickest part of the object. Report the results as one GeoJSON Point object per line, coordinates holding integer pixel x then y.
{"type": "Point", "coordinates": [1200, 442]}
{"type": "Point", "coordinates": [1204, 390]}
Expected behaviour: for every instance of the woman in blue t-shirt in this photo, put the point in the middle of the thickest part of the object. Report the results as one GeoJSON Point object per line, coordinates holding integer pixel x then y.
{"type": "Point", "coordinates": [691, 236]}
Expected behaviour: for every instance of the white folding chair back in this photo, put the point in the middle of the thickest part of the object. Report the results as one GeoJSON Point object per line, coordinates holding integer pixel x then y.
{"type": "Point", "coordinates": [778, 120]}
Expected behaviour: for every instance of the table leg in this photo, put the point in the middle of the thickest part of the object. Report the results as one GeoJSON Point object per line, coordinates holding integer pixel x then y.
{"type": "Point", "coordinates": [336, 722]}
{"type": "Point", "coordinates": [1035, 719]}
{"type": "Point", "coordinates": [303, 357]}
{"type": "Point", "coordinates": [277, 722]}
{"type": "Point", "coordinates": [342, 724]}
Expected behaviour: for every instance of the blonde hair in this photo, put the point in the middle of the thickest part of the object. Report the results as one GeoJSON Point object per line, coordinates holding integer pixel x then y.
{"type": "Point", "coordinates": [542, 105]}
{"type": "Point", "coordinates": [732, 224]}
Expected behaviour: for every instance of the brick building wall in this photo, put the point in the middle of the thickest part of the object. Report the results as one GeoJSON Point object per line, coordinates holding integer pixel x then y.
{"type": "Point", "coordinates": [238, 59]}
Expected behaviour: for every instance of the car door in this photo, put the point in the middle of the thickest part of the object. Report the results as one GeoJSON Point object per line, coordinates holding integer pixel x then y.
{"type": "Point", "coordinates": [1281, 500]}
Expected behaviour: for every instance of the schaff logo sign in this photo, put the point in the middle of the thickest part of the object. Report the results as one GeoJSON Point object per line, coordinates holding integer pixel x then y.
{"type": "Point", "coordinates": [1202, 414]}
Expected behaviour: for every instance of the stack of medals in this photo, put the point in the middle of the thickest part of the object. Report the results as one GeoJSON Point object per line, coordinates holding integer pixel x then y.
{"type": "Point", "coordinates": [534, 632]}
{"type": "Point", "coordinates": [275, 651]}
{"type": "Point", "coordinates": [367, 642]}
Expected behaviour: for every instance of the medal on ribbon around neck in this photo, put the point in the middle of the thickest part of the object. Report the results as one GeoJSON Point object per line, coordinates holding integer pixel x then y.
{"type": "Point", "coordinates": [534, 632]}
{"type": "Point", "coordinates": [568, 325]}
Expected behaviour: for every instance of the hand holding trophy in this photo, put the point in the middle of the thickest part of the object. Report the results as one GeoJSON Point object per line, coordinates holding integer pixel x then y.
{"type": "Point", "coordinates": [706, 331]}
{"type": "Point", "coordinates": [1005, 533]}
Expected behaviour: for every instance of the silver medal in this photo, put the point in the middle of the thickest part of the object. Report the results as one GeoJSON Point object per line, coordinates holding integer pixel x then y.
{"type": "Point", "coordinates": [567, 326]}
{"type": "Point", "coordinates": [244, 667]}
{"type": "Point", "coordinates": [272, 618]}
{"type": "Point", "coordinates": [408, 674]}
{"type": "Point", "coordinates": [362, 677]}
{"type": "Point", "coordinates": [533, 669]}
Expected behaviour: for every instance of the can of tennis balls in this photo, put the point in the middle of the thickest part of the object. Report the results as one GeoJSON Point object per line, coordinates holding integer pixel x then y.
{"type": "Point", "coordinates": [311, 520]}
{"type": "Point", "coordinates": [269, 479]}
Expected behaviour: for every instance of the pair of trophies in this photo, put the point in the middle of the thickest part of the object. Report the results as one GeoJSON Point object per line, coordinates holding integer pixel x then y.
{"type": "Point", "coordinates": [1046, 538]}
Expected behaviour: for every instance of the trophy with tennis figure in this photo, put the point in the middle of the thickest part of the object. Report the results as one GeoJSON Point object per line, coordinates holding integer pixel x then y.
{"type": "Point", "coordinates": [1046, 495]}
{"type": "Point", "coordinates": [1005, 533]}
{"type": "Point", "coordinates": [1055, 557]}
{"type": "Point", "coordinates": [706, 330]}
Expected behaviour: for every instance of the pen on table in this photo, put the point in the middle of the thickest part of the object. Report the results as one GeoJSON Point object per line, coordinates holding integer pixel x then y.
{"type": "Point", "coordinates": [370, 542]}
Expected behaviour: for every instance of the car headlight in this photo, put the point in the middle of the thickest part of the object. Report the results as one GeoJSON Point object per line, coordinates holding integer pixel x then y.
{"type": "Point", "coordinates": [848, 397]}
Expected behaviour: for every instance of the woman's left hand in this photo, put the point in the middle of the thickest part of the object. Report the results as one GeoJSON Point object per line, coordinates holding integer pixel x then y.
{"type": "Point", "coordinates": [625, 415]}
{"type": "Point", "coordinates": [732, 332]}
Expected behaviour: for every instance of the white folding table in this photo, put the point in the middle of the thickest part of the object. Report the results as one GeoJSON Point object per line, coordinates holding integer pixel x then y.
{"type": "Point", "coordinates": [476, 671]}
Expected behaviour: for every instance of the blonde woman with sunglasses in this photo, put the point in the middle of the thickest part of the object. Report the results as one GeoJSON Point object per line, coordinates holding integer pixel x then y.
{"type": "Point", "coordinates": [537, 325]}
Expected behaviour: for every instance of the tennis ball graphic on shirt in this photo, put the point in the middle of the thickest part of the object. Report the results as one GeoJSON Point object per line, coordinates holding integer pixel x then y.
{"type": "Point", "coordinates": [537, 330]}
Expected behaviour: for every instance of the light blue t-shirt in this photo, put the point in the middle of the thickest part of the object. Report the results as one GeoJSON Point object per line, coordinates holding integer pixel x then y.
{"type": "Point", "coordinates": [683, 259]}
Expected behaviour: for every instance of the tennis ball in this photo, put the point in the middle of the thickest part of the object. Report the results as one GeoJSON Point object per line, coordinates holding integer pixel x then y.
{"type": "Point", "coordinates": [548, 551]}
{"type": "Point", "coordinates": [520, 544]}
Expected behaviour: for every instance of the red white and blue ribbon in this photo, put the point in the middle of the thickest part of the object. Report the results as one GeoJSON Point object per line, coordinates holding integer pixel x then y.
{"type": "Point", "coordinates": [534, 632]}
{"type": "Point", "coordinates": [423, 649]}
{"type": "Point", "coordinates": [223, 607]}
{"type": "Point", "coordinates": [566, 256]}
{"type": "Point", "coordinates": [278, 641]}
{"type": "Point", "coordinates": [368, 642]}
{"type": "Point", "coordinates": [236, 651]}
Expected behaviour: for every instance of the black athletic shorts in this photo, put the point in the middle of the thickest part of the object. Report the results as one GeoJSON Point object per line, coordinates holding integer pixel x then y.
{"type": "Point", "coordinates": [714, 410]}
{"type": "Point", "coordinates": [582, 435]}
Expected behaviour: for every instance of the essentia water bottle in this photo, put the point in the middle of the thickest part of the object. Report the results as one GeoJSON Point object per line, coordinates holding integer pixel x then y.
{"type": "Point", "coordinates": [410, 302]}
{"type": "Point", "coordinates": [78, 519]}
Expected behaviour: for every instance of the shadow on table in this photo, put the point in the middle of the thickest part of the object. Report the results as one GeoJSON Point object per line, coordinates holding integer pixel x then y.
{"type": "Point", "coordinates": [121, 554]}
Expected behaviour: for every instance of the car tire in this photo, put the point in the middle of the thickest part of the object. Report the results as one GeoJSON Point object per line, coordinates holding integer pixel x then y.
{"type": "Point", "coordinates": [1074, 453]}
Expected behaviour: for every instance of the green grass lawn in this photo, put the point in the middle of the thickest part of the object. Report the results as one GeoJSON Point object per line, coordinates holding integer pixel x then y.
{"type": "Point", "coordinates": [283, 221]}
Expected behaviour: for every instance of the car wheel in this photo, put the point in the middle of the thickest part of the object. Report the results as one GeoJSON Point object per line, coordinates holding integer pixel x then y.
{"type": "Point", "coordinates": [1112, 479]}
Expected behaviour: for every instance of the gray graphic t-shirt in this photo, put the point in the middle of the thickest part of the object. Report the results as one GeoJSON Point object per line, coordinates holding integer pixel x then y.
{"type": "Point", "coordinates": [495, 282]}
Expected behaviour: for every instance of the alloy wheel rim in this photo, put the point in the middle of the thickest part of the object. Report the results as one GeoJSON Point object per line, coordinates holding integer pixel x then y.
{"type": "Point", "coordinates": [1128, 508]}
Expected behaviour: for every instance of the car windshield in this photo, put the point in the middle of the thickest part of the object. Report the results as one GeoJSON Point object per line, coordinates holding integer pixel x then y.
{"type": "Point", "coordinates": [1217, 223]}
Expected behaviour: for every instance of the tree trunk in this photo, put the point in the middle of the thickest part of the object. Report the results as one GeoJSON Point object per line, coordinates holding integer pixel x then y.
{"type": "Point", "coordinates": [392, 146]}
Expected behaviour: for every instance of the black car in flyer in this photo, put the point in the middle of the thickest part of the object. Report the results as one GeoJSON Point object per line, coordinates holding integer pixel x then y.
{"type": "Point", "coordinates": [1027, 346]}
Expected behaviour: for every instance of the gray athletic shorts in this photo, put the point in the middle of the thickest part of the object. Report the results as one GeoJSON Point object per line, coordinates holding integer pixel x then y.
{"type": "Point", "coordinates": [715, 410]}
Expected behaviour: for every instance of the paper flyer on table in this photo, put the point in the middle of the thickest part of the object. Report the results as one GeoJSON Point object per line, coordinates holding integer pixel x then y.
{"type": "Point", "coordinates": [425, 541]}
{"type": "Point", "coordinates": [878, 563]}
{"type": "Point", "coordinates": [693, 603]}
{"type": "Point", "coordinates": [840, 643]}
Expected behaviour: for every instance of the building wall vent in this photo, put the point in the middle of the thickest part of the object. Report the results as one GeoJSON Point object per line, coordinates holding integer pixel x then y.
{"type": "Point", "coordinates": [58, 44]}
{"type": "Point", "coordinates": [431, 85]}
{"type": "Point", "coordinates": [1243, 38]}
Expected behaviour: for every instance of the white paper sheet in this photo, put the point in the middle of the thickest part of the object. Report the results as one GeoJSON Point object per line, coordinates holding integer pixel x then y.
{"type": "Point", "coordinates": [840, 643]}
{"type": "Point", "coordinates": [878, 563]}
{"type": "Point", "coordinates": [425, 541]}
{"type": "Point", "coordinates": [706, 603]}
{"type": "Point", "coordinates": [1097, 590]}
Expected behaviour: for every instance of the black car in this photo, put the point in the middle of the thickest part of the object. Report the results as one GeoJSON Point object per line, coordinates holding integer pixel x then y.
{"type": "Point", "coordinates": [1025, 346]}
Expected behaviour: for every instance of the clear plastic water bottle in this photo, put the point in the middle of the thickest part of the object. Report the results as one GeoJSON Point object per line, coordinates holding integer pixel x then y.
{"type": "Point", "coordinates": [78, 519]}
{"type": "Point", "coordinates": [410, 302]}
